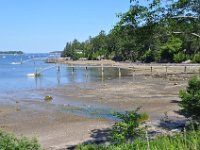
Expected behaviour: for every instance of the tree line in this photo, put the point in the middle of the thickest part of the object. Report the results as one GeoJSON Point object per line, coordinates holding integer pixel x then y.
{"type": "Point", "coordinates": [157, 31]}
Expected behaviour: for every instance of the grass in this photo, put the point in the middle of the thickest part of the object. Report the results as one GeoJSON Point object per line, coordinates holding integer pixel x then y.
{"type": "Point", "coordinates": [10, 142]}
{"type": "Point", "coordinates": [183, 141]}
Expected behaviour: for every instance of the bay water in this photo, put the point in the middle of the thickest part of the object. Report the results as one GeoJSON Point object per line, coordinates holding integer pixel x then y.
{"type": "Point", "coordinates": [16, 82]}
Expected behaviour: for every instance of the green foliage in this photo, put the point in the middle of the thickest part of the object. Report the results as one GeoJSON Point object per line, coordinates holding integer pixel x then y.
{"type": "Point", "coordinates": [193, 123]}
{"type": "Point", "coordinates": [190, 98]}
{"type": "Point", "coordinates": [184, 141]}
{"type": "Point", "coordinates": [179, 57]}
{"type": "Point", "coordinates": [128, 128]}
{"type": "Point", "coordinates": [170, 48]}
{"type": "Point", "coordinates": [71, 49]}
{"type": "Point", "coordinates": [148, 32]}
{"type": "Point", "coordinates": [149, 56]}
{"type": "Point", "coordinates": [196, 58]}
{"type": "Point", "coordinates": [10, 142]}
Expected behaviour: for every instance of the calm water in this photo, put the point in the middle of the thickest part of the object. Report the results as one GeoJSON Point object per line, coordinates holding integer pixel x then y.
{"type": "Point", "coordinates": [14, 75]}
{"type": "Point", "coordinates": [15, 84]}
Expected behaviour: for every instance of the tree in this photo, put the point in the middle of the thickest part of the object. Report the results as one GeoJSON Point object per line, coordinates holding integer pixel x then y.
{"type": "Point", "coordinates": [169, 49]}
{"type": "Point", "coordinates": [148, 32]}
{"type": "Point", "coordinates": [71, 48]}
{"type": "Point", "coordinates": [10, 142]}
{"type": "Point", "coordinates": [190, 98]}
{"type": "Point", "coordinates": [128, 128]}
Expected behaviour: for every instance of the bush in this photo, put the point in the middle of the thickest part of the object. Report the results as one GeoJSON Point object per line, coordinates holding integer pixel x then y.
{"type": "Point", "coordinates": [10, 142]}
{"type": "Point", "coordinates": [128, 128]}
{"type": "Point", "coordinates": [149, 56]}
{"type": "Point", "coordinates": [190, 98]}
{"type": "Point", "coordinates": [180, 57]}
{"type": "Point", "coordinates": [184, 141]}
{"type": "Point", "coordinates": [171, 47]}
{"type": "Point", "coordinates": [196, 58]}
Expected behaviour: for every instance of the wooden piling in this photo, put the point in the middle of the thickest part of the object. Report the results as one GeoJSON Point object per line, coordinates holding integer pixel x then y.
{"type": "Point", "coordinates": [58, 69]}
{"type": "Point", "coordinates": [36, 73]}
{"type": "Point", "coordinates": [185, 69]}
{"type": "Point", "coordinates": [86, 75]}
{"type": "Point", "coordinates": [102, 69]}
{"type": "Point", "coordinates": [120, 72]}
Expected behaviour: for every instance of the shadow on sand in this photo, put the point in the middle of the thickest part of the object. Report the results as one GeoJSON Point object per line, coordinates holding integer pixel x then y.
{"type": "Point", "coordinates": [98, 136]}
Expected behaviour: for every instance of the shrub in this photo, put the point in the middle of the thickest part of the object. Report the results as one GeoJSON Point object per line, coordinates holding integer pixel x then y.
{"type": "Point", "coordinates": [128, 128]}
{"type": "Point", "coordinates": [196, 58]}
{"type": "Point", "coordinates": [184, 141]}
{"type": "Point", "coordinates": [171, 47]}
{"type": "Point", "coordinates": [149, 56]}
{"type": "Point", "coordinates": [180, 57]}
{"type": "Point", "coordinates": [190, 98]}
{"type": "Point", "coordinates": [10, 142]}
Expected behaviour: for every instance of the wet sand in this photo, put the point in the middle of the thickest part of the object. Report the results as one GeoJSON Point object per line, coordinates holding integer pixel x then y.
{"type": "Point", "coordinates": [54, 130]}
{"type": "Point", "coordinates": [156, 93]}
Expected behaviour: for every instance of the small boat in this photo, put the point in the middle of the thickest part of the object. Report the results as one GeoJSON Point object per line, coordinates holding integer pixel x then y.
{"type": "Point", "coordinates": [31, 75]}
{"type": "Point", "coordinates": [16, 63]}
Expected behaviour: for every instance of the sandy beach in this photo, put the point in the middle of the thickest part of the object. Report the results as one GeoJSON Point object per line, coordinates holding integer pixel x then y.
{"type": "Point", "coordinates": [154, 91]}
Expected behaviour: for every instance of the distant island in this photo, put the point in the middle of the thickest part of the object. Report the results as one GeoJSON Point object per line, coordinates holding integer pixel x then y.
{"type": "Point", "coordinates": [11, 52]}
{"type": "Point", "coordinates": [56, 52]}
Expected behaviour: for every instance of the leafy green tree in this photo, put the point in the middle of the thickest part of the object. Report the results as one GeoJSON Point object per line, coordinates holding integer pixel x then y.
{"type": "Point", "coordinates": [97, 46]}
{"type": "Point", "coordinates": [10, 142]}
{"type": "Point", "coordinates": [70, 50]}
{"type": "Point", "coordinates": [190, 98]}
{"type": "Point", "coordinates": [148, 56]}
{"type": "Point", "coordinates": [128, 128]}
{"type": "Point", "coordinates": [196, 58]}
{"type": "Point", "coordinates": [179, 57]}
{"type": "Point", "coordinates": [171, 47]}
{"type": "Point", "coordinates": [154, 31]}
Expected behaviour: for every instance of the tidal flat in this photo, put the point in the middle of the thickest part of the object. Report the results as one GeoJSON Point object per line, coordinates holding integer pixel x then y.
{"type": "Point", "coordinates": [78, 110]}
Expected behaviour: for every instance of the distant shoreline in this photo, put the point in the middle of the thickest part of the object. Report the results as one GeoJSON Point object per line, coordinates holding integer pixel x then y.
{"type": "Point", "coordinates": [11, 52]}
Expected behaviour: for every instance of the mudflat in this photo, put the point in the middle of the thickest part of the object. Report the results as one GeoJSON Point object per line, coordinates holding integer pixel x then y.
{"type": "Point", "coordinates": [78, 109]}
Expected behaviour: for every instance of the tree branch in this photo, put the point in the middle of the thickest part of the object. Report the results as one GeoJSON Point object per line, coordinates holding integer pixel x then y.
{"type": "Point", "coordinates": [195, 34]}
{"type": "Point", "coordinates": [190, 17]}
{"type": "Point", "coordinates": [178, 32]}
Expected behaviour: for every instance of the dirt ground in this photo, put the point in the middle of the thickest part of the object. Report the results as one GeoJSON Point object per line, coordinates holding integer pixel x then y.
{"type": "Point", "coordinates": [156, 92]}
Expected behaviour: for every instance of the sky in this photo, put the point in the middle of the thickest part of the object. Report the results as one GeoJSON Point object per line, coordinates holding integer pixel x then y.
{"type": "Point", "coordinates": [34, 26]}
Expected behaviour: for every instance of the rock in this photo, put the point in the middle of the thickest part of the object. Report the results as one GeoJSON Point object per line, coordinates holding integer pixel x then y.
{"type": "Point", "coordinates": [187, 62]}
{"type": "Point", "coordinates": [48, 98]}
{"type": "Point", "coordinates": [176, 130]}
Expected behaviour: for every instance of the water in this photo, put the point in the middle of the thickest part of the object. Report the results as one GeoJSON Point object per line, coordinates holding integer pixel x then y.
{"type": "Point", "coordinates": [14, 74]}
{"type": "Point", "coordinates": [15, 84]}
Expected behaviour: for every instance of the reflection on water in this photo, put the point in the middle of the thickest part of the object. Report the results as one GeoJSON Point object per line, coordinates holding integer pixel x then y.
{"type": "Point", "coordinates": [58, 77]}
{"type": "Point", "coordinates": [104, 113]}
{"type": "Point", "coordinates": [20, 76]}
{"type": "Point", "coordinates": [18, 81]}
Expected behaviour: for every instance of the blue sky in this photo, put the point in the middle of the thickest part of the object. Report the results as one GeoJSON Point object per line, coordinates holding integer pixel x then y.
{"type": "Point", "coordinates": [46, 25]}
